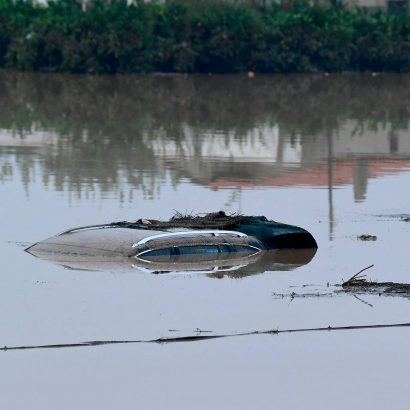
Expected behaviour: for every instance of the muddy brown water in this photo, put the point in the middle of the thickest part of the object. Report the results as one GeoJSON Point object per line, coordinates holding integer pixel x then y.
{"type": "Point", "coordinates": [328, 153]}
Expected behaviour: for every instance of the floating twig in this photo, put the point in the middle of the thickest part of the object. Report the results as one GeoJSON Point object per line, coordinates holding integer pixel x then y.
{"type": "Point", "coordinates": [357, 278]}
{"type": "Point", "coordinates": [363, 301]}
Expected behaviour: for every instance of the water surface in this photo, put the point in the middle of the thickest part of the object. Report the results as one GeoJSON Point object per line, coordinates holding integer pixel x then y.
{"type": "Point", "coordinates": [329, 153]}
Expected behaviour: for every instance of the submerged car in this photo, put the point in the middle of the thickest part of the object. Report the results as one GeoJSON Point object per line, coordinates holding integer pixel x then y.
{"type": "Point", "coordinates": [211, 243]}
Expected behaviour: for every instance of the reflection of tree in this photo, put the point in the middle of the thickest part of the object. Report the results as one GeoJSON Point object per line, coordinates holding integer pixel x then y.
{"type": "Point", "coordinates": [106, 118]}
{"type": "Point", "coordinates": [6, 171]}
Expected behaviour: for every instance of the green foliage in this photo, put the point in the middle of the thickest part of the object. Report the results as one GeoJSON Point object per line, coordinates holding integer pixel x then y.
{"type": "Point", "coordinates": [201, 36]}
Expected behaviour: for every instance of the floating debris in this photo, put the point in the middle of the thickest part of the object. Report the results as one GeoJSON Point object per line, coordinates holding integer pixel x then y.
{"type": "Point", "coordinates": [357, 278]}
{"type": "Point", "coordinates": [305, 295]}
{"type": "Point", "coordinates": [360, 283]}
{"type": "Point", "coordinates": [366, 237]}
{"type": "Point", "coordinates": [381, 288]}
{"type": "Point", "coordinates": [357, 284]}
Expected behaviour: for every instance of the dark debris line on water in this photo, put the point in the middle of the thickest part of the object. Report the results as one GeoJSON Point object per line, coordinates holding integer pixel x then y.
{"type": "Point", "coordinates": [197, 338]}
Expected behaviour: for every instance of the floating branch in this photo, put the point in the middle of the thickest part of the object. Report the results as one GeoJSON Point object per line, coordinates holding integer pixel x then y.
{"type": "Point", "coordinates": [357, 278]}
{"type": "Point", "coordinates": [197, 338]}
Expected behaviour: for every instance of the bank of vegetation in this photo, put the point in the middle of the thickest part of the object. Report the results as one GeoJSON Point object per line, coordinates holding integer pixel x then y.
{"type": "Point", "coordinates": [200, 36]}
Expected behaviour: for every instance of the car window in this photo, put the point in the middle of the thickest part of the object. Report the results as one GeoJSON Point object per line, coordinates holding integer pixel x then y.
{"type": "Point", "coordinates": [198, 250]}
{"type": "Point", "coordinates": [194, 250]}
{"type": "Point", "coordinates": [159, 252]}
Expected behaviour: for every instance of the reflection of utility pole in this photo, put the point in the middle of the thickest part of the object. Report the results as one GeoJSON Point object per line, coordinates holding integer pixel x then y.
{"type": "Point", "coordinates": [360, 177]}
{"type": "Point", "coordinates": [394, 141]}
{"type": "Point", "coordinates": [279, 150]}
{"type": "Point", "coordinates": [236, 196]}
{"type": "Point", "coordinates": [330, 182]}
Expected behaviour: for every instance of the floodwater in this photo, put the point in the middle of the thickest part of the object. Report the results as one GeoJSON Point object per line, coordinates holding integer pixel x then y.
{"type": "Point", "coordinates": [328, 153]}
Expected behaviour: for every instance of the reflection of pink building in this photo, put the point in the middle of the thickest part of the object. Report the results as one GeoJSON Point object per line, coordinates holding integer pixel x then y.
{"type": "Point", "coordinates": [343, 172]}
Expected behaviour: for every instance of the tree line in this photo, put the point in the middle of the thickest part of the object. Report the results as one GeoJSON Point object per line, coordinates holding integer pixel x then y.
{"type": "Point", "coordinates": [205, 36]}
